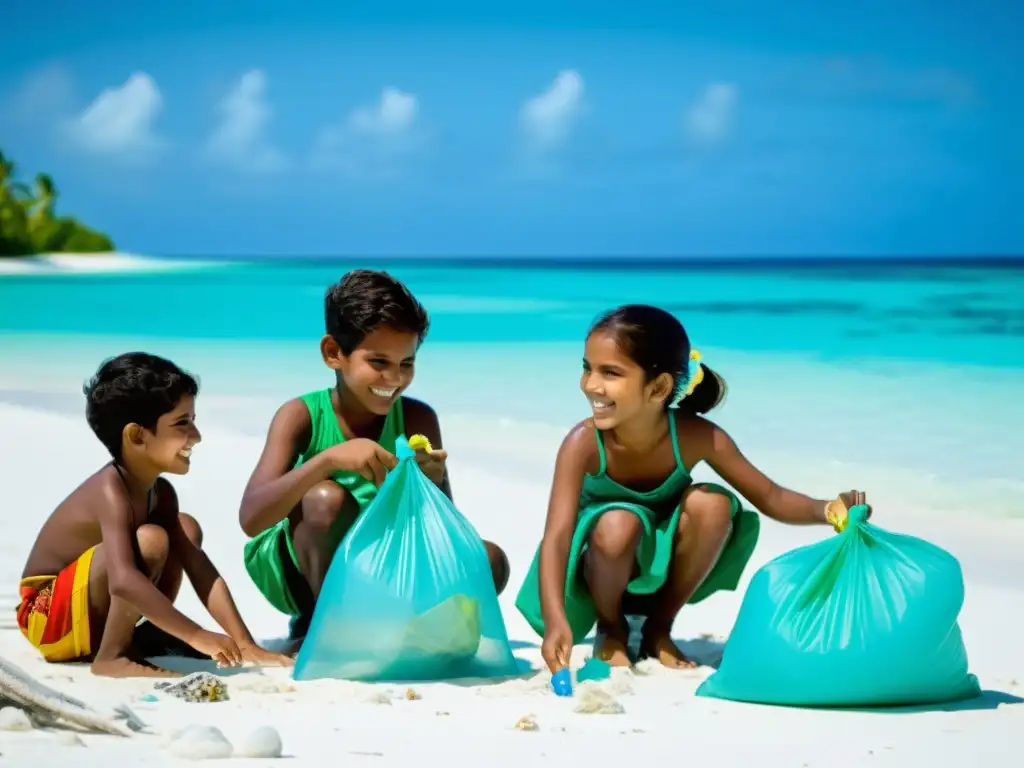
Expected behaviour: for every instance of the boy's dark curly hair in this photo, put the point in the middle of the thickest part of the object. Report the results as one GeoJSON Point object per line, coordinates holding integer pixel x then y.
{"type": "Point", "coordinates": [133, 388]}
{"type": "Point", "coordinates": [365, 300]}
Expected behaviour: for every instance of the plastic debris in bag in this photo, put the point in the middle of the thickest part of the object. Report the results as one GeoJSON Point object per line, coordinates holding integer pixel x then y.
{"type": "Point", "coordinates": [409, 594]}
{"type": "Point", "coordinates": [866, 618]}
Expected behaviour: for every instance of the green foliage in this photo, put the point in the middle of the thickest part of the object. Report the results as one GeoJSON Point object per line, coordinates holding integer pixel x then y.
{"type": "Point", "coordinates": [28, 223]}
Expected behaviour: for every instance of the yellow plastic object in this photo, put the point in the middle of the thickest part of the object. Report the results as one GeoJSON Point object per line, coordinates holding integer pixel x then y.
{"type": "Point", "coordinates": [420, 443]}
{"type": "Point", "coordinates": [837, 515]}
{"type": "Point", "coordinates": [698, 374]}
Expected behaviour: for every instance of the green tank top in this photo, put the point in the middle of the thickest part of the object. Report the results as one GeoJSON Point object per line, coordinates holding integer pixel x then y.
{"type": "Point", "coordinates": [326, 433]}
{"type": "Point", "coordinates": [599, 488]}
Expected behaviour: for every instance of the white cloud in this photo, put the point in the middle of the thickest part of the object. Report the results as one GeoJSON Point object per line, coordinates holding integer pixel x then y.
{"type": "Point", "coordinates": [121, 120]}
{"type": "Point", "coordinates": [372, 137]}
{"type": "Point", "coordinates": [393, 115]}
{"type": "Point", "coordinates": [547, 119]}
{"type": "Point", "coordinates": [239, 141]}
{"type": "Point", "coordinates": [710, 119]}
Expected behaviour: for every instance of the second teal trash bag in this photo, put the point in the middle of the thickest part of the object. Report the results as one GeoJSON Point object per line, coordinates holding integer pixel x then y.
{"type": "Point", "coordinates": [409, 594]}
{"type": "Point", "coordinates": [865, 618]}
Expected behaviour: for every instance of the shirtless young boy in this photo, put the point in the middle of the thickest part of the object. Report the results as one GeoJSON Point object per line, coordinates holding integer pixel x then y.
{"type": "Point", "coordinates": [328, 451]}
{"type": "Point", "coordinates": [115, 550]}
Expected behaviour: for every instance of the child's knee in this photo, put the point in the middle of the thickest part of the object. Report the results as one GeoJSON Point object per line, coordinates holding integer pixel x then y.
{"type": "Point", "coordinates": [707, 510]}
{"type": "Point", "coordinates": [322, 504]}
{"type": "Point", "coordinates": [500, 568]}
{"type": "Point", "coordinates": [191, 528]}
{"type": "Point", "coordinates": [616, 534]}
{"type": "Point", "coordinates": [154, 545]}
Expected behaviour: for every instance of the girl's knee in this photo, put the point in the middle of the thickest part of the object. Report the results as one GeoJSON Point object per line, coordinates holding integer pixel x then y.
{"type": "Point", "coordinates": [706, 509]}
{"type": "Point", "coordinates": [616, 534]}
{"type": "Point", "coordinates": [323, 503]}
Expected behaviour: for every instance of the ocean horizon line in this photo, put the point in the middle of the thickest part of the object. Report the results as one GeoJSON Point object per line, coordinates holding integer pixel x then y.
{"type": "Point", "coordinates": [980, 261]}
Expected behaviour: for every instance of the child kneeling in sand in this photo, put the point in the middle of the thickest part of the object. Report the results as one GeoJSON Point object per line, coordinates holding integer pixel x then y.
{"type": "Point", "coordinates": [628, 532]}
{"type": "Point", "coordinates": [114, 551]}
{"type": "Point", "coordinates": [328, 451]}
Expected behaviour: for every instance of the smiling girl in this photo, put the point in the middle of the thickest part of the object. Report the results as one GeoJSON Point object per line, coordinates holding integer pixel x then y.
{"type": "Point", "coordinates": [628, 532]}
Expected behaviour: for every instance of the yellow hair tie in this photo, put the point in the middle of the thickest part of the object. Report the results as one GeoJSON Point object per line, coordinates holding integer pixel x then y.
{"type": "Point", "coordinates": [697, 372]}
{"type": "Point", "coordinates": [418, 442]}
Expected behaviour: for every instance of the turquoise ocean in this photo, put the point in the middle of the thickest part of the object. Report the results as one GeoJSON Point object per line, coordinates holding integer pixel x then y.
{"type": "Point", "coordinates": [909, 371]}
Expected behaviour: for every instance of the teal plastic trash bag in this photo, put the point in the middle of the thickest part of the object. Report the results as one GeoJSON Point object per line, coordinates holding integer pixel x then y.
{"type": "Point", "coordinates": [409, 594]}
{"type": "Point", "coordinates": [866, 618]}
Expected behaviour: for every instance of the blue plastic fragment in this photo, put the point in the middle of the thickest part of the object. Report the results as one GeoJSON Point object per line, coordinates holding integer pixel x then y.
{"type": "Point", "coordinates": [561, 682]}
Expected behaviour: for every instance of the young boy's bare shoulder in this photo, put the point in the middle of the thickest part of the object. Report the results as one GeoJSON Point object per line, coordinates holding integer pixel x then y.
{"type": "Point", "coordinates": [76, 524]}
{"type": "Point", "coordinates": [102, 491]}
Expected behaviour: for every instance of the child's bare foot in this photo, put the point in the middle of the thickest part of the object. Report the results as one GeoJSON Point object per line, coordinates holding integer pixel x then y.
{"type": "Point", "coordinates": [612, 646]}
{"type": "Point", "coordinates": [122, 666]}
{"type": "Point", "coordinates": [658, 644]}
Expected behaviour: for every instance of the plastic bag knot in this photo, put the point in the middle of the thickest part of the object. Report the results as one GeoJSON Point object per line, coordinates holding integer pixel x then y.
{"type": "Point", "coordinates": [859, 514]}
{"type": "Point", "coordinates": [403, 450]}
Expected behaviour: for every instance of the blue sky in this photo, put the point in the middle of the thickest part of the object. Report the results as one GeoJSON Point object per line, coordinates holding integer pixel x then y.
{"type": "Point", "coordinates": [735, 127]}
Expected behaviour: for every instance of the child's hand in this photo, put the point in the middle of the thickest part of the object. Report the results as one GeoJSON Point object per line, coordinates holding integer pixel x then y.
{"type": "Point", "coordinates": [221, 648]}
{"type": "Point", "coordinates": [432, 463]}
{"type": "Point", "coordinates": [855, 499]}
{"type": "Point", "coordinates": [557, 646]}
{"type": "Point", "coordinates": [362, 456]}
{"type": "Point", "coordinates": [254, 654]}
{"type": "Point", "coordinates": [837, 512]}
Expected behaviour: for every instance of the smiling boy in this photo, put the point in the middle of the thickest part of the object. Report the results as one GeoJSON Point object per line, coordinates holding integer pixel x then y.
{"type": "Point", "coordinates": [327, 452]}
{"type": "Point", "coordinates": [115, 550]}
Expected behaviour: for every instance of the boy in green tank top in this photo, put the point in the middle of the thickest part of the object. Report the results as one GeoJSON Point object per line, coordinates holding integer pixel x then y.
{"type": "Point", "coordinates": [327, 452]}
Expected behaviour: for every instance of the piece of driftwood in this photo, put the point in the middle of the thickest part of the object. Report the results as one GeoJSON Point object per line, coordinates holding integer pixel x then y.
{"type": "Point", "coordinates": [48, 707]}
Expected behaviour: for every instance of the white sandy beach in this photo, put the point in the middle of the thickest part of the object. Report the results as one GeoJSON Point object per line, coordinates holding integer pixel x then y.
{"type": "Point", "coordinates": [334, 722]}
{"type": "Point", "coordinates": [77, 263]}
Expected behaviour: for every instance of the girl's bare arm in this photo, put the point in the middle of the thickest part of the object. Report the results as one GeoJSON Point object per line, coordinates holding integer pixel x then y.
{"type": "Point", "coordinates": [563, 511]}
{"type": "Point", "coordinates": [782, 504]}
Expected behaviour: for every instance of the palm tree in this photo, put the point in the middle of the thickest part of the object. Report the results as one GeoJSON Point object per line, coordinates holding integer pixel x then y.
{"type": "Point", "coordinates": [9, 186]}
{"type": "Point", "coordinates": [28, 223]}
{"type": "Point", "coordinates": [45, 231]}
{"type": "Point", "coordinates": [14, 230]}
{"type": "Point", "coordinates": [45, 198]}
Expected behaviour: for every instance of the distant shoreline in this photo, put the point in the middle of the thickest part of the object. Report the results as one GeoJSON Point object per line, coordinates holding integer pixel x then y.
{"type": "Point", "coordinates": [127, 262]}
{"type": "Point", "coordinates": [92, 263]}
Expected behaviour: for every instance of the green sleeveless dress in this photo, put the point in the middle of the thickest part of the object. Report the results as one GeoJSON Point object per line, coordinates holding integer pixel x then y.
{"type": "Point", "coordinates": [263, 553]}
{"type": "Point", "coordinates": [658, 510]}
